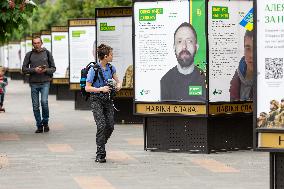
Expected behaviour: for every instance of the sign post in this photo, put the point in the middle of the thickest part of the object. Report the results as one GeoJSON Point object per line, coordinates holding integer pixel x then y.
{"type": "Point", "coordinates": [269, 109]}
{"type": "Point", "coordinates": [187, 83]}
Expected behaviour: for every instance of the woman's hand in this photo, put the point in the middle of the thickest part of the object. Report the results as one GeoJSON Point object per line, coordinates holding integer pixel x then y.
{"type": "Point", "coordinates": [118, 86]}
{"type": "Point", "coordinates": [105, 89]}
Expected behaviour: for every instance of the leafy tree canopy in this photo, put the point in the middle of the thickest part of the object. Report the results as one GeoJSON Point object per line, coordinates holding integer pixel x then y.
{"type": "Point", "coordinates": [55, 13]}
{"type": "Point", "coordinates": [14, 16]}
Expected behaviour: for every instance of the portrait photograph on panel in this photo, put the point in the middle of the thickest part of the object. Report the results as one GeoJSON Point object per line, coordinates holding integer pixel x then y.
{"type": "Point", "coordinates": [230, 36]}
{"type": "Point", "coordinates": [170, 51]}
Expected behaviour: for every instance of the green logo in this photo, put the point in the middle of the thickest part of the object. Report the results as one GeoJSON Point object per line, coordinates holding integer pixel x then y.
{"type": "Point", "coordinates": [59, 37]}
{"type": "Point", "coordinates": [219, 12]}
{"type": "Point", "coordinates": [105, 27]}
{"type": "Point", "coordinates": [195, 91]}
{"type": "Point", "coordinates": [46, 40]}
{"type": "Point", "coordinates": [144, 92]}
{"type": "Point", "coordinates": [149, 14]}
{"type": "Point", "coordinates": [78, 33]}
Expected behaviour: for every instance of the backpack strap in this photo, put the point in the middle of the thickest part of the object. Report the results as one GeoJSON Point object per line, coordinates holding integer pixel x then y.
{"type": "Point", "coordinates": [98, 71]}
{"type": "Point", "coordinates": [30, 58]}
{"type": "Point", "coordinates": [96, 68]}
{"type": "Point", "coordinates": [47, 53]}
{"type": "Point", "coordinates": [110, 67]}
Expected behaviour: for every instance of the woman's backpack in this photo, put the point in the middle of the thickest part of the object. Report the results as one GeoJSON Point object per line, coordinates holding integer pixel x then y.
{"type": "Point", "coordinates": [84, 73]}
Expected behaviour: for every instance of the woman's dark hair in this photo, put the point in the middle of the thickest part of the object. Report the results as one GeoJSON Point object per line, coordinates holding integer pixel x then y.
{"type": "Point", "coordinates": [103, 50]}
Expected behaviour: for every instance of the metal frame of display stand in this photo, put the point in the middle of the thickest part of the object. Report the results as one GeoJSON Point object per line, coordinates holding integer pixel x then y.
{"type": "Point", "coordinates": [198, 134]}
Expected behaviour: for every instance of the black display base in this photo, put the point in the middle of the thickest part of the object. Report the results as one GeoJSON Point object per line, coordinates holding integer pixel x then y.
{"type": "Point", "coordinates": [81, 103]}
{"type": "Point", "coordinates": [52, 89]}
{"type": "Point", "coordinates": [124, 105]}
{"type": "Point", "coordinates": [198, 134]}
{"type": "Point", "coordinates": [230, 132]}
{"type": "Point", "coordinates": [176, 134]}
{"type": "Point", "coordinates": [16, 76]}
{"type": "Point", "coordinates": [63, 92]}
{"type": "Point", "coordinates": [276, 170]}
{"type": "Point", "coordinates": [125, 113]}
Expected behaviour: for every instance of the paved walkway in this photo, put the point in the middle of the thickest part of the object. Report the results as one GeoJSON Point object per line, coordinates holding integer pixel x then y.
{"type": "Point", "coordinates": [64, 157]}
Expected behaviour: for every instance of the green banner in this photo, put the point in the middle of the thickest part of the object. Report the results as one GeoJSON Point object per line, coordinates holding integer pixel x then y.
{"type": "Point", "coordinates": [46, 40]}
{"type": "Point", "coordinates": [195, 90]}
{"type": "Point", "coordinates": [219, 12]}
{"type": "Point", "coordinates": [149, 14]}
{"type": "Point", "coordinates": [105, 27]}
{"type": "Point", "coordinates": [198, 22]}
{"type": "Point", "coordinates": [78, 33]}
{"type": "Point", "coordinates": [59, 37]}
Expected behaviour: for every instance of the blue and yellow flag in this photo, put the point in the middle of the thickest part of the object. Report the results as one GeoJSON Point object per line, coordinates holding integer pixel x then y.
{"type": "Point", "coordinates": [247, 21]}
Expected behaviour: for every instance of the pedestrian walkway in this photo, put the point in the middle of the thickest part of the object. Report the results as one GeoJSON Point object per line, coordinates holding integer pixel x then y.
{"type": "Point", "coordinates": [64, 157]}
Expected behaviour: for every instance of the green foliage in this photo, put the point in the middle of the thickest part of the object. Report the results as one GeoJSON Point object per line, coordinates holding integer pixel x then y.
{"type": "Point", "coordinates": [57, 14]}
{"type": "Point", "coordinates": [14, 14]}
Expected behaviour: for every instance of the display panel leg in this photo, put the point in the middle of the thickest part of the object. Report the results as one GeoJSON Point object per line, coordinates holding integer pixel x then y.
{"type": "Point", "coordinates": [125, 113]}
{"type": "Point", "coordinates": [145, 133]}
{"type": "Point", "coordinates": [53, 89]}
{"type": "Point", "coordinates": [64, 93]}
{"type": "Point", "coordinates": [276, 170]}
{"type": "Point", "coordinates": [16, 76]}
{"type": "Point", "coordinates": [81, 103]}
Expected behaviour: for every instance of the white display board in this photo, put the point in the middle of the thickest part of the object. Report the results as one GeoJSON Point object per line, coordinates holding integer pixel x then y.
{"type": "Point", "coordinates": [14, 56]}
{"type": "Point", "coordinates": [117, 33]}
{"type": "Point", "coordinates": [46, 40]}
{"type": "Point", "coordinates": [226, 44]}
{"type": "Point", "coordinates": [6, 56]}
{"type": "Point", "coordinates": [60, 54]}
{"type": "Point", "coordinates": [82, 45]}
{"type": "Point", "coordinates": [161, 28]}
{"type": "Point", "coordinates": [23, 52]}
{"type": "Point", "coordinates": [1, 56]}
{"type": "Point", "coordinates": [29, 45]}
{"type": "Point", "coordinates": [270, 48]}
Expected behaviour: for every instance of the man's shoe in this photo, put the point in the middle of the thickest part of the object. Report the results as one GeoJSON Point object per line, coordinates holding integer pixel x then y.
{"type": "Point", "coordinates": [100, 159]}
{"type": "Point", "coordinates": [45, 128]}
{"type": "Point", "coordinates": [39, 130]}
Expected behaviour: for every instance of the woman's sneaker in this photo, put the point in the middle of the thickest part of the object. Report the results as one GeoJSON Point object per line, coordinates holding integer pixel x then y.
{"type": "Point", "coordinates": [100, 159]}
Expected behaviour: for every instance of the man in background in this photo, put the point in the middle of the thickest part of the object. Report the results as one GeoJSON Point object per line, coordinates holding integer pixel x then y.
{"type": "Point", "coordinates": [40, 65]}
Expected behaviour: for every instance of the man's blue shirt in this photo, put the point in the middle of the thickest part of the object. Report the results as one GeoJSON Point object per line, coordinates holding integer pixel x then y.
{"type": "Point", "coordinates": [100, 82]}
